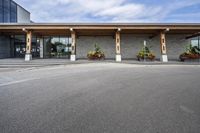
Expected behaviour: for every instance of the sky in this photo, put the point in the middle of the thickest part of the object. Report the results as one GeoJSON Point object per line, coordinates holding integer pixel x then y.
{"type": "Point", "coordinates": [113, 11]}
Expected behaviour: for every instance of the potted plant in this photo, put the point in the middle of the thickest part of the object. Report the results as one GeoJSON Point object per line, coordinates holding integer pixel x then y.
{"type": "Point", "coordinates": [145, 54]}
{"type": "Point", "coordinates": [191, 53]}
{"type": "Point", "coordinates": [96, 54]}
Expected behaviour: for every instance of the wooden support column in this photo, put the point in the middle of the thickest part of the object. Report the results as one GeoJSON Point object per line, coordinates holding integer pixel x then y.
{"type": "Point", "coordinates": [28, 55]}
{"type": "Point", "coordinates": [73, 52]}
{"type": "Point", "coordinates": [163, 47]}
{"type": "Point", "coordinates": [118, 47]}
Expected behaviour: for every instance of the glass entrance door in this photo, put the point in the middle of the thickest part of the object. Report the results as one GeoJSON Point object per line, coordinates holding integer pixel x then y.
{"type": "Point", "coordinates": [57, 47]}
{"type": "Point", "coordinates": [35, 47]}
{"type": "Point", "coordinates": [20, 46]}
{"type": "Point", "coordinates": [20, 50]}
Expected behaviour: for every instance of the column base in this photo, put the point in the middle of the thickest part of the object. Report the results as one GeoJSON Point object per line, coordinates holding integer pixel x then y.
{"type": "Point", "coordinates": [73, 57]}
{"type": "Point", "coordinates": [28, 57]}
{"type": "Point", "coordinates": [118, 58]}
{"type": "Point", "coordinates": [164, 58]}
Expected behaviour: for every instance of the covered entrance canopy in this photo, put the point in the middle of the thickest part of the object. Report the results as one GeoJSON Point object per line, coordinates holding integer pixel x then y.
{"type": "Point", "coordinates": [74, 30]}
{"type": "Point", "coordinates": [99, 28]}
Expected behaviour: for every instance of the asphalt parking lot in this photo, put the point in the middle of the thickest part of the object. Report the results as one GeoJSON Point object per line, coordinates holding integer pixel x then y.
{"type": "Point", "coordinates": [101, 98]}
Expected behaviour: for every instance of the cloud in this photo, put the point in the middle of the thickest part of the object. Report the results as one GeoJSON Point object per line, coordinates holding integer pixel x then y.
{"type": "Point", "coordinates": [127, 10]}
{"type": "Point", "coordinates": [104, 10]}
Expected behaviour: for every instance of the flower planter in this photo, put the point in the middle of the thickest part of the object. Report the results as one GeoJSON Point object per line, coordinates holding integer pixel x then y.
{"type": "Point", "coordinates": [97, 54]}
{"type": "Point", "coordinates": [189, 57]}
{"type": "Point", "coordinates": [145, 59]}
{"type": "Point", "coordinates": [191, 54]}
{"type": "Point", "coordinates": [145, 54]}
{"type": "Point", "coordinates": [93, 57]}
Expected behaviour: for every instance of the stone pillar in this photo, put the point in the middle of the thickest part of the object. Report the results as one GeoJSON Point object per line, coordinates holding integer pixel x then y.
{"type": "Point", "coordinates": [163, 48]}
{"type": "Point", "coordinates": [41, 48]}
{"type": "Point", "coordinates": [118, 49]}
{"type": "Point", "coordinates": [73, 52]}
{"type": "Point", "coordinates": [28, 55]}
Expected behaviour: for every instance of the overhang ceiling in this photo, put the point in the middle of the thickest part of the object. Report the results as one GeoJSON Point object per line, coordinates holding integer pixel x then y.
{"type": "Point", "coordinates": [86, 29]}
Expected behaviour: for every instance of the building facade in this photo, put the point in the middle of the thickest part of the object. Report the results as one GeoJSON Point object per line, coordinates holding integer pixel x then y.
{"type": "Point", "coordinates": [11, 12]}
{"type": "Point", "coordinates": [119, 41]}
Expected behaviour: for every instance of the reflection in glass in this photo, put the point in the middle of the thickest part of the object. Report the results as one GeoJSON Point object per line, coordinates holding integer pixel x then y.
{"type": "Point", "coordinates": [13, 12]}
{"type": "Point", "coordinates": [8, 11]}
{"type": "Point", "coordinates": [56, 47]}
{"type": "Point", "coordinates": [195, 41]}
{"type": "Point", "coordinates": [35, 48]}
{"type": "Point", "coordinates": [20, 46]}
{"type": "Point", "coordinates": [1, 11]}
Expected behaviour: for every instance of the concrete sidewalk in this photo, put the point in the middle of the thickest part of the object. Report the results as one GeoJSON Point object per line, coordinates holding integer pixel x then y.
{"type": "Point", "coordinates": [16, 62]}
{"type": "Point", "coordinates": [20, 63]}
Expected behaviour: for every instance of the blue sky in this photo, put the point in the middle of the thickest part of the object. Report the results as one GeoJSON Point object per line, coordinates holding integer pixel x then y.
{"type": "Point", "coordinates": [163, 11]}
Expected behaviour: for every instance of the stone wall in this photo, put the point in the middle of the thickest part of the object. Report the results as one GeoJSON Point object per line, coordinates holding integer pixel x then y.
{"type": "Point", "coordinates": [176, 45]}
{"type": "Point", "coordinates": [85, 44]}
{"type": "Point", "coordinates": [131, 44]}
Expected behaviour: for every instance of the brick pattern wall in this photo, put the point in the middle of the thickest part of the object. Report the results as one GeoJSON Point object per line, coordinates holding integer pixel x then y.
{"type": "Point", "coordinates": [176, 45]}
{"type": "Point", "coordinates": [84, 44]}
{"type": "Point", "coordinates": [131, 44]}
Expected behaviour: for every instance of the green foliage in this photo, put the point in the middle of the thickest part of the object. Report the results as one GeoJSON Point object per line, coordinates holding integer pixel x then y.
{"type": "Point", "coordinates": [96, 54]}
{"type": "Point", "coordinates": [58, 43]}
{"type": "Point", "coordinates": [192, 49]}
{"type": "Point", "coordinates": [191, 52]}
{"type": "Point", "coordinates": [145, 53]}
{"type": "Point", "coordinates": [188, 48]}
{"type": "Point", "coordinates": [97, 48]}
{"type": "Point", "coordinates": [195, 50]}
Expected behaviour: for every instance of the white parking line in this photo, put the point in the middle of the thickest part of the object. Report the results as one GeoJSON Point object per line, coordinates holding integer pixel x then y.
{"type": "Point", "coordinates": [16, 82]}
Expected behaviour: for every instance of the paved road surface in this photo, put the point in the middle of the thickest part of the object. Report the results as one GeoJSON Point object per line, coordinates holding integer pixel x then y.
{"type": "Point", "coordinates": [100, 98]}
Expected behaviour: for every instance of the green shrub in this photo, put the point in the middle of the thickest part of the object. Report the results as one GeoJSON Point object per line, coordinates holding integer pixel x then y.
{"type": "Point", "coordinates": [96, 54]}
{"type": "Point", "coordinates": [191, 52]}
{"type": "Point", "coordinates": [145, 53]}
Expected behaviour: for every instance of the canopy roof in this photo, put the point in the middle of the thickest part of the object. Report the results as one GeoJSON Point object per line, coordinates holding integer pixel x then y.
{"type": "Point", "coordinates": [44, 29]}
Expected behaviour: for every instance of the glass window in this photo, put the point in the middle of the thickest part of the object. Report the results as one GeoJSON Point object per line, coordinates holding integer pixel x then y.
{"type": "Point", "coordinates": [1, 11]}
{"type": "Point", "coordinates": [6, 10]}
{"type": "Point", "coordinates": [63, 40]}
{"type": "Point", "coordinates": [194, 42]}
{"type": "Point", "coordinates": [56, 47]}
{"type": "Point", "coordinates": [35, 48]}
{"type": "Point", "coordinates": [20, 45]}
{"type": "Point", "coordinates": [20, 38]}
{"type": "Point", "coordinates": [13, 12]}
{"type": "Point", "coordinates": [34, 39]}
{"type": "Point", "coordinates": [54, 39]}
{"type": "Point", "coordinates": [47, 47]}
